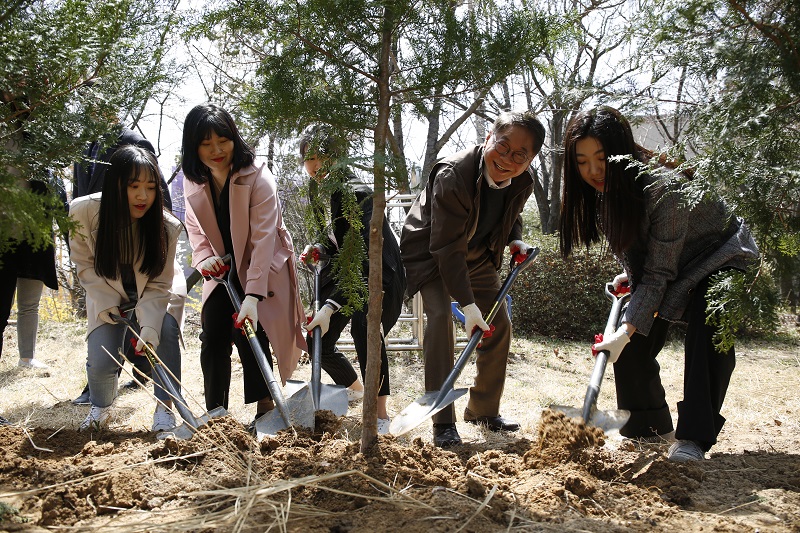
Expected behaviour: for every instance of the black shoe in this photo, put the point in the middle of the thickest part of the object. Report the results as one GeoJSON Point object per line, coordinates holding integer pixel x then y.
{"type": "Point", "coordinates": [4, 422]}
{"type": "Point", "coordinates": [495, 423]}
{"type": "Point", "coordinates": [251, 427]}
{"type": "Point", "coordinates": [84, 398]}
{"type": "Point", "coordinates": [132, 385]}
{"type": "Point", "coordinates": [446, 435]}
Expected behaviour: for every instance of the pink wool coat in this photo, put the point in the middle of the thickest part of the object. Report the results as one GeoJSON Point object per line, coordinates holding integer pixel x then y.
{"type": "Point", "coordinates": [262, 251]}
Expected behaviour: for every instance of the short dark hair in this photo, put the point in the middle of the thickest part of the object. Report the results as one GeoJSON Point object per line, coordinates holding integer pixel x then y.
{"type": "Point", "coordinates": [524, 119]}
{"type": "Point", "coordinates": [114, 236]}
{"type": "Point", "coordinates": [199, 123]}
{"type": "Point", "coordinates": [321, 139]}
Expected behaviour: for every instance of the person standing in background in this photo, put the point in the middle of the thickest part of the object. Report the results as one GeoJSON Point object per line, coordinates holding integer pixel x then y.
{"type": "Point", "coordinates": [23, 269]}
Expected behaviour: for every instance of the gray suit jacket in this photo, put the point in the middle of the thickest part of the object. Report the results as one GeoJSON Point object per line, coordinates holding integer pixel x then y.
{"type": "Point", "coordinates": [678, 247]}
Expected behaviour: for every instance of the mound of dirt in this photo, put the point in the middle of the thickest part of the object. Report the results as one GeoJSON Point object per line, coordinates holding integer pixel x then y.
{"type": "Point", "coordinates": [568, 478]}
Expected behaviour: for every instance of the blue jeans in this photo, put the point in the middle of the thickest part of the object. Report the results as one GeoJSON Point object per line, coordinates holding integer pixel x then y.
{"type": "Point", "coordinates": [102, 369]}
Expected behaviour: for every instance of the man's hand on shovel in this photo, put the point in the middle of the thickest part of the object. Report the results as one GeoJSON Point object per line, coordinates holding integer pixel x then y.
{"type": "Point", "coordinates": [519, 250]}
{"type": "Point", "coordinates": [473, 319]}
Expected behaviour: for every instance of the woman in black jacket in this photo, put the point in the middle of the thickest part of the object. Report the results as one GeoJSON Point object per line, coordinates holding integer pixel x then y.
{"type": "Point", "coordinates": [341, 209]}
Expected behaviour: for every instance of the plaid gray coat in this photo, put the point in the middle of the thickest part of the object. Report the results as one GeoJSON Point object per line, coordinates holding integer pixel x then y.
{"type": "Point", "coordinates": [676, 248]}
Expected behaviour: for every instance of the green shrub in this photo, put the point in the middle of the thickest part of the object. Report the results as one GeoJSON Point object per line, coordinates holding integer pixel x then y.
{"type": "Point", "coordinates": [563, 299]}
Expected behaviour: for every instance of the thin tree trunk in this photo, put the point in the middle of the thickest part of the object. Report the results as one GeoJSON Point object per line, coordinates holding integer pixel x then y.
{"type": "Point", "coordinates": [369, 435]}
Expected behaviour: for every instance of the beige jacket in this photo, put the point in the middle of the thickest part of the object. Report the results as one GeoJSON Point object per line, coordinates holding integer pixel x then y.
{"type": "Point", "coordinates": [157, 296]}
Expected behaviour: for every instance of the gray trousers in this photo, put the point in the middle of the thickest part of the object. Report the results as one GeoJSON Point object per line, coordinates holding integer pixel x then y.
{"type": "Point", "coordinates": [29, 292]}
{"type": "Point", "coordinates": [102, 368]}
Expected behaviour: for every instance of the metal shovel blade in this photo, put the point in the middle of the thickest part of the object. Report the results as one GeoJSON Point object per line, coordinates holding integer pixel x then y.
{"type": "Point", "coordinates": [186, 430]}
{"type": "Point", "coordinates": [300, 411]}
{"type": "Point", "coordinates": [426, 406]}
{"type": "Point", "coordinates": [332, 398]}
{"type": "Point", "coordinates": [611, 420]}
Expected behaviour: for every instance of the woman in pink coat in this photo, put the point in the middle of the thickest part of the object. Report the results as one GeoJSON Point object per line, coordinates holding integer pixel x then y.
{"type": "Point", "coordinates": [232, 208]}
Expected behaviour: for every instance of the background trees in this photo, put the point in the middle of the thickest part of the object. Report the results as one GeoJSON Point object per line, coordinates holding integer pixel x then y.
{"type": "Point", "coordinates": [68, 70]}
{"type": "Point", "coordinates": [410, 82]}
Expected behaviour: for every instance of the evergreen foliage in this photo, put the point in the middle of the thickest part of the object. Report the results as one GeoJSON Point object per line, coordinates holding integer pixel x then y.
{"type": "Point", "coordinates": [68, 69]}
{"type": "Point", "coordinates": [744, 129]}
{"type": "Point", "coordinates": [348, 260]}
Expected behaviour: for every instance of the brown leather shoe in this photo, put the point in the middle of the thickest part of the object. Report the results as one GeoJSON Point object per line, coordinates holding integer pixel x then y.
{"type": "Point", "coordinates": [446, 435]}
{"type": "Point", "coordinates": [495, 423]}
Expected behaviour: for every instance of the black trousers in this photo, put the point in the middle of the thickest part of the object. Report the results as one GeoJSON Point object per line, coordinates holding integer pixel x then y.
{"type": "Point", "coordinates": [336, 364]}
{"type": "Point", "coordinates": [707, 374]}
{"type": "Point", "coordinates": [8, 285]}
{"type": "Point", "coordinates": [216, 339]}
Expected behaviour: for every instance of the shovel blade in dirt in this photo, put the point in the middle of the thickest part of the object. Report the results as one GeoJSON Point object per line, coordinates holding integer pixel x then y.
{"type": "Point", "coordinates": [605, 420]}
{"type": "Point", "coordinates": [299, 411]}
{"type": "Point", "coordinates": [425, 407]}
{"type": "Point", "coordinates": [332, 397]}
{"type": "Point", "coordinates": [608, 420]}
{"type": "Point", "coordinates": [186, 430]}
{"type": "Point", "coordinates": [294, 413]}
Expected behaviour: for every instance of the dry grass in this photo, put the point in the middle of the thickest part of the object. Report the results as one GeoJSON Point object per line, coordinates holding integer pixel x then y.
{"type": "Point", "coordinates": [541, 372]}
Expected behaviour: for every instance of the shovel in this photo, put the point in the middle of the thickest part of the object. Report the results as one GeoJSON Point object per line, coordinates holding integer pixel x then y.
{"type": "Point", "coordinates": [432, 402]}
{"type": "Point", "coordinates": [299, 410]}
{"type": "Point", "coordinates": [325, 396]}
{"type": "Point", "coordinates": [612, 419]}
{"type": "Point", "coordinates": [190, 422]}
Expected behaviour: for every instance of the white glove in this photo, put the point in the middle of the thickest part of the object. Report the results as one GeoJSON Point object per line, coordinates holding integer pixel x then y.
{"type": "Point", "coordinates": [210, 266]}
{"type": "Point", "coordinates": [473, 319]}
{"type": "Point", "coordinates": [619, 280]}
{"type": "Point", "coordinates": [613, 343]}
{"type": "Point", "coordinates": [147, 335]}
{"type": "Point", "coordinates": [249, 310]}
{"type": "Point", "coordinates": [322, 318]}
{"type": "Point", "coordinates": [105, 316]}
{"type": "Point", "coordinates": [519, 247]}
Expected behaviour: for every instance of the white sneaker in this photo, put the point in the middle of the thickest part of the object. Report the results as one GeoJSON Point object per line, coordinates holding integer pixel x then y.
{"type": "Point", "coordinates": [354, 395]}
{"type": "Point", "coordinates": [383, 426]}
{"type": "Point", "coordinates": [685, 450]}
{"type": "Point", "coordinates": [98, 417]}
{"type": "Point", "coordinates": [163, 419]}
{"type": "Point", "coordinates": [32, 363]}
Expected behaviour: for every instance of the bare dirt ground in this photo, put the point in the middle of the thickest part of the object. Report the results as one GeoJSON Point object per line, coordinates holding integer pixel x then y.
{"type": "Point", "coordinates": [553, 475]}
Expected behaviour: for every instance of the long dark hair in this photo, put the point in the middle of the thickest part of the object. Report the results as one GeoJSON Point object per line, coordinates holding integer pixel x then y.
{"type": "Point", "coordinates": [618, 212]}
{"type": "Point", "coordinates": [197, 127]}
{"type": "Point", "coordinates": [114, 235]}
